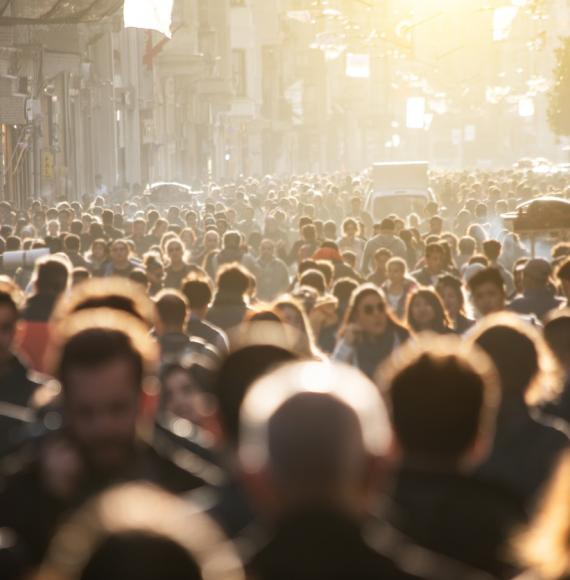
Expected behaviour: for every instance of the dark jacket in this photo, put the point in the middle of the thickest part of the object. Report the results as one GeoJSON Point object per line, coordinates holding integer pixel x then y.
{"type": "Point", "coordinates": [34, 513]}
{"type": "Point", "coordinates": [227, 311]}
{"type": "Point", "coordinates": [458, 516]}
{"type": "Point", "coordinates": [208, 332]}
{"type": "Point", "coordinates": [538, 302]}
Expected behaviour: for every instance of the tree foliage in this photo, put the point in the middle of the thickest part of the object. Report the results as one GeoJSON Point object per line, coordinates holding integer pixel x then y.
{"type": "Point", "coordinates": [559, 102]}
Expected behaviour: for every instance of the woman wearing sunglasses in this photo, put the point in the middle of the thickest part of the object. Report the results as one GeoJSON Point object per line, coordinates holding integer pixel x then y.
{"type": "Point", "coordinates": [370, 333]}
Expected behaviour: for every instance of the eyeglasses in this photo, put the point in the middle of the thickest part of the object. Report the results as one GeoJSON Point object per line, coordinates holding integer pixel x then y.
{"type": "Point", "coordinates": [370, 309]}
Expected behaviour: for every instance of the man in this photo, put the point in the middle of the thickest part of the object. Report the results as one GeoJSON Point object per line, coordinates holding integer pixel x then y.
{"type": "Point", "coordinates": [198, 293]}
{"type": "Point", "coordinates": [314, 445]}
{"type": "Point", "coordinates": [51, 281]}
{"type": "Point", "coordinates": [492, 251]}
{"type": "Point", "coordinates": [71, 245]}
{"type": "Point", "coordinates": [271, 273]}
{"type": "Point", "coordinates": [110, 231]}
{"type": "Point", "coordinates": [120, 264]}
{"type": "Point", "coordinates": [16, 388]}
{"type": "Point", "coordinates": [442, 433]}
{"type": "Point", "coordinates": [101, 359]}
{"type": "Point", "coordinates": [538, 294]}
{"type": "Point", "coordinates": [488, 293]}
{"type": "Point", "coordinates": [385, 239]}
{"type": "Point", "coordinates": [177, 269]}
{"type": "Point", "coordinates": [174, 343]}
{"type": "Point", "coordinates": [380, 273]}
{"type": "Point", "coordinates": [229, 306]}
{"type": "Point", "coordinates": [139, 237]}
{"type": "Point", "coordinates": [434, 265]}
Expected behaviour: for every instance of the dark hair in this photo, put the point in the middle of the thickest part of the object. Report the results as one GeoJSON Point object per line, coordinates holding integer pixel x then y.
{"type": "Point", "coordinates": [314, 279]}
{"type": "Point", "coordinates": [237, 373]}
{"type": "Point", "coordinates": [440, 323]}
{"type": "Point", "coordinates": [563, 272]}
{"type": "Point", "coordinates": [487, 276]}
{"type": "Point", "coordinates": [198, 292]}
{"type": "Point", "coordinates": [95, 347]}
{"type": "Point", "coordinates": [72, 243]}
{"type": "Point", "coordinates": [343, 289]}
{"type": "Point", "coordinates": [492, 249]}
{"type": "Point", "coordinates": [327, 269]}
{"type": "Point", "coordinates": [434, 248]}
{"type": "Point", "coordinates": [358, 295]}
{"type": "Point", "coordinates": [309, 232]}
{"type": "Point", "coordinates": [467, 245]}
{"type": "Point", "coordinates": [171, 307]}
{"type": "Point", "coordinates": [52, 277]}
{"type": "Point", "coordinates": [7, 299]}
{"type": "Point", "coordinates": [449, 281]}
{"type": "Point", "coordinates": [233, 279]}
{"type": "Point", "coordinates": [232, 240]}
{"type": "Point", "coordinates": [308, 264]}
{"type": "Point", "coordinates": [431, 415]}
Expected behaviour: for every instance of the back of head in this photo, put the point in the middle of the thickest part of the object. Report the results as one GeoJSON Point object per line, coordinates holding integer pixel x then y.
{"type": "Point", "coordinates": [197, 291]}
{"type": "Point", "coordinates": [171, 306]}
{"type": "Point", "coordinates": [443, 397]}
{"type": "Point", "coordinates": [52, 276]}
{"type": "Point", "coordinates": [492, 249]}
{"type": "Point", "coordinates": [232, 279]}
{"type": "Point", "coordinates": [557, 335]}
{"type": "Point", "coordinates": [312, 427]}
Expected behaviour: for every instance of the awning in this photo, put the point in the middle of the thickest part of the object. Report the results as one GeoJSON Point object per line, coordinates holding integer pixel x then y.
{"type": "Point", "coordinates": [14, 12]}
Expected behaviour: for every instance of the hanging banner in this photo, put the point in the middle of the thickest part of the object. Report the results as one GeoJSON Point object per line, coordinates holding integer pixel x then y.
{"type": "Point", "coordinates": [150, 15]}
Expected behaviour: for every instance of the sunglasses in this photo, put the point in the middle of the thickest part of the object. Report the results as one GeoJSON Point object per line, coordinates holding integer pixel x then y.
{"type": "Point", "coordinates": [370, 309]}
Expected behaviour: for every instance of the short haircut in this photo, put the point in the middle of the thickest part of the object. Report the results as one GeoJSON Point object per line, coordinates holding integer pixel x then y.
{"type": "Point", "coordinates": [434, 248]}
{"type": "Point", "coordinates": [72, 243]}
{"type": "Point", "coordinates": [487, 276]}
{"type": "Point", "coordinates": [383, 252]}
{"type": "Point", "coordinates": [198, 292]}
{"type": "Point", "coordinates": [343, 289]}
{"type": "Point", "coordinates": [327, 269]}
{"type": "Point", "coordinates": [492, 249]}
{"type": "Point", "coordinates": [314, 279]}
{"type": "Point", "coordinates": [442, 397]}
{"type": "Point", "coordinates": [52, 276]}
{"type": "Point", "coordinates": [172, 307]}
{"type": "Point", "coordinates": [467, 245]}
{"type": "Point", "coordinates": [233, 278]}
{"type": "Point", "coordinates": [563, 272]}
{"type": "Point", "coordinates": [308, 264]}
{"type": "Point", "coordinates": [232, 239]}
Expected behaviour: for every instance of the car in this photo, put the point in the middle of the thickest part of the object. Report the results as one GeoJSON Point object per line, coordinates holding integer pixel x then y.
{"type": "Point", "coordinates": [398, 188]}
{"type": "Point", "coordinates": [169, 193]}
{"type": "Point", "coordinates": [540, 214]}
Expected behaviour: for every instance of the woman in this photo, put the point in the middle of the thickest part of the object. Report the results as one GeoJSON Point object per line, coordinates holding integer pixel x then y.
{"type": "Point", "coordinates": [450, 290]}
{"type": "Point", "coordinates": [369, 334]}
{"type": "Point", "coordinates": [98, 257]}
{"type": "Point", "coordinates": [398, 286]}
{"type": "Point", "coordinates": [293, 315]}
{"type": "Point", "coordinates": [351, 239]}
{"type": "Point", "coordinates": [425, 313]}
{"type": "Point", "coordinates": [154, 273]}
{"type": "Point", "coordinates": [177, 268]}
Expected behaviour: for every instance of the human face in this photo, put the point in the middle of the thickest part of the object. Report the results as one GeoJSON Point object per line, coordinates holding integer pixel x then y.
{"type": "Point", "coordinates": [8, 319]}
{"type": "Point", "coordinates": [422, 312]}
{"type": "Point", "coordinates": [211, 241]}
{"type": "Point", "coordinates": [181, 396]}
{"type": "Point", "coordinates": [266, 250]}
{"type": "Point", "coordinates": [434, 262]}
{"type": "Point", "coordinates": [101, 409]}
{"type": "Point", "coordinates": [450, 300]}
{"type": "Point", "coordinates": [119, 253]}
{"type": "Point", "coordinates": [488, 298]}
{"type": "Point", "coordinates": [350, 230]}
{"type": "Point", "coordinates": [98, 252]}
{"type": "Point", "coordinates": [155, 275]}
{"type": "Point", "coordinates": [396, 273]}
{"type": "Point", "coordinates": [371, 316]}
{"type": "Point", "coordinates": [175, 253]}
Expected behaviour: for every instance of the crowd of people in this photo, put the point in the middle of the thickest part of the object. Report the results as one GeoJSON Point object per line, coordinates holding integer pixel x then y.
{"type": "Point", "coordinates": [271, 383]}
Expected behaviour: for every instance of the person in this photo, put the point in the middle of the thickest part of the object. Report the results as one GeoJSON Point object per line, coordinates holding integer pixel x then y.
{"type": "Point", "coordinates": [450, 289]}
{"type": "Point", "coordinates": [71, 245]}
{"type": "Point", "coordinates": [492, 251]}
{"type": "Point", "coordinates": [174, 343]}
{"type": "Point", "coordinates": [527, 445]}
{"type": "Point", "coordinates": [542, 547]}
{"type": "Point", "coordinates": [139, 237]}
{"type": "Point", "coordinates": [425, 312]}
{"type": "Point", "coordinates": [442, 433]}
{"type": "Point", "coordinates": [229, 306]}
{"type": "Point", "coordinates": [293, 314]}
{"type": "Point", "coordinates": [101, 358]}
{"type": "Point", "coordinates": [16, 386]}
{"type": "Point", "coordinates": [369, 333]}
{"type": "Point", "coordinates": [313, 480]}
{"type": "Point", "coordinates": [398, 286]}
{"type": "Point", "coordinates": [386, 238]}
{"type": "Point", "coordinates": [434, 265]}
{"type": "Point", "coordinates": [52, 277]}
{"type": "Point", "coordinates": [488, 293]}
{"type": "Point", "coordinates": [380, 274]}
{"type": "Point", "coordinates": [110, 232]}
{"type": "Point", "coordinates": [120, 263]}
{"type": "Point", "coordinates": [198, 292]}
{"type": "Point", "coordinates": [271, 273]}
{"type": "Point", "coordinates": [154, 270]}
{"type": "Point", "coordinates": [351, 240]}
{"type": "Point", "coordinates": [563, 276]}
{"type": "Point", "coordinates": [98, 257]}
{"type": "Point", "coordinates": [177, 268]}
{"type": "Point", "coordinates": [466, 247]}
{"type": "Point", "coordinates": [139, 532]}
{"type": "Point", "coordinates": [538, 297]}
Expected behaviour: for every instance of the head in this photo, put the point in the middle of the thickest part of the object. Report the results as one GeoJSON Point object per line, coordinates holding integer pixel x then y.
{"type": "Point", "coordinates": [350, 228]}
{"type": "Point", "coordinates": [425, 311]}
{"type": "Point", "coordinates": [198, 293]}
{"type": "Point", "coordinates": [211, 241]}
{"type": "Point", "coordinates": [367, 309]}
{"type": "Point", "coordinates": [435, 258]}
{"type": "Point", "coordinates": [233, 279]}
{"type": "Point", "coordinates": [311, 434]}
{"type": "Point", "coordinates": [9, 316]}
{"type": "Point", "coordinates": [536, 274]}
{"type": "Point", "coordinates": [51, 275]}
{"type": "Point", "coordinates": [450, 290]}
{"type": "Point", "coordinates": [381, 258]}
{"type": "Point", "coordinates": [563, 275]}
{"type": "Point", "coordinates": [172, 311]}
{"type": "Point", "coordinates": [267, 250]}
{"type": "Point", "coordinates": [492, 250]}
{"type": "Point", "coordinates": [467, 246]}
{"type": "Point", "coordinates": [101, 358]}
{"type": "Point", "coordinates": [557, 335]}
{"type": "Point", "coordinates": [488, 293]}
{"type": "Point", "coordinates": [120, 253]}
{"type": "Point", "coordinates": [154, 270]}
{"type": "Point", "coordinates": [396, 270]}
{"type": "Point", "coordinates": [443, 399]}
{"type": "Point", "coordinates": [175, 251]}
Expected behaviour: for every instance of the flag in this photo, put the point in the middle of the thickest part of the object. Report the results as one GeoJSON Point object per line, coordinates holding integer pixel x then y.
{"type": "Point", "coordinates": [150, 15]}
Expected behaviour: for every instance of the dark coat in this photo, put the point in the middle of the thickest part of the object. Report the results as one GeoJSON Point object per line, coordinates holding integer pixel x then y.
{"type": "Point", "coordinates": [227, 311]}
